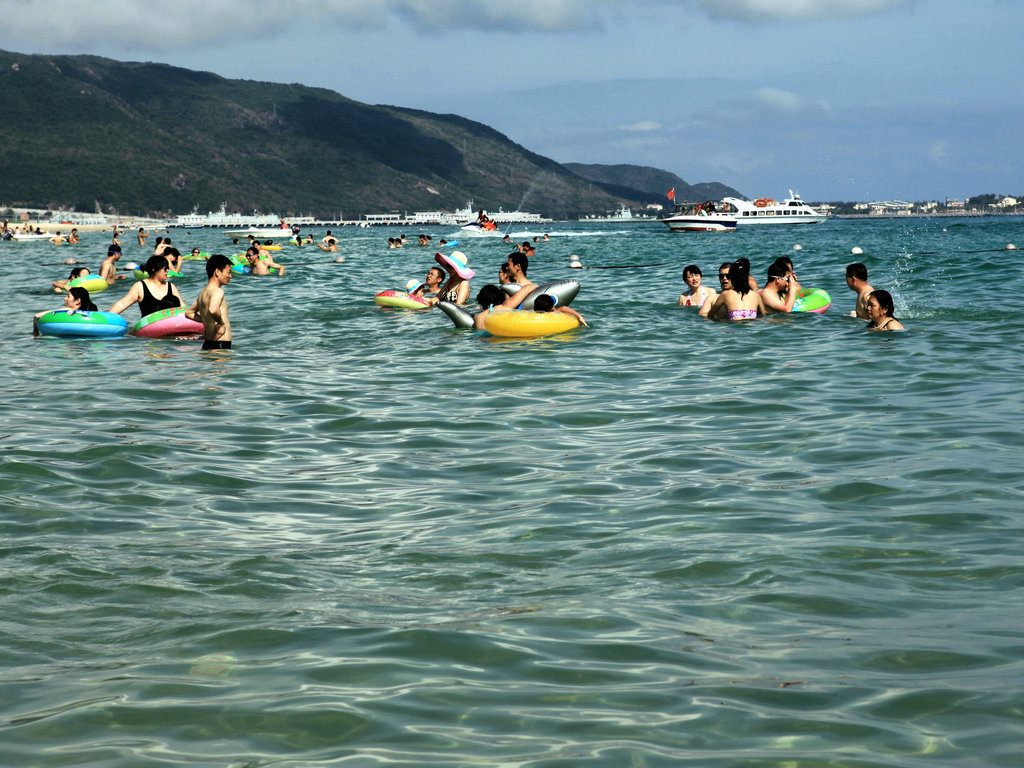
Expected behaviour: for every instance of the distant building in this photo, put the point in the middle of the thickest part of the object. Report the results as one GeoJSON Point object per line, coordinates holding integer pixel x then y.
{"type": "Point", "coordinates": [655, 207]}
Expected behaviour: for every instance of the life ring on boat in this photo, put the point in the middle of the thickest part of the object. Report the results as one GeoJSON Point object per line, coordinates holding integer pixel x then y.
{"type": "Point", "coordinates": [91, 283]}
{"type": "Point", "coordinates": [401, 300]}
{"type": "Point", "coordinates": [66, 322]}
{"type": "Point", "coordinates": [763, 202]}
{"type": "Point", "coordinates": [812, 300]}
{"type": "Point", "coordinates": [166, 322]}
{"type": "Point", "coordinates": [527, 323]}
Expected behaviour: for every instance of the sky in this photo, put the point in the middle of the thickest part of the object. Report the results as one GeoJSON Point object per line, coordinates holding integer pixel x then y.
{"type": "Point", "coordinates": [836, 99]}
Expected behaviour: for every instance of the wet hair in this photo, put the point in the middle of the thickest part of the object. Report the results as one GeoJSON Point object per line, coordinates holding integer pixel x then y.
{"type": "Point", "coordinates": [739, 276]}
{"type": "Point", "coordinates": [85, 302]}
{"type": "Point", "coordinates": [857, 271]}
{"type": "Point", "coordinates": [216, 262]}
{"type": "Point", "coordinates": [489, 296]}
{"type": "Point", "coordinates": [519, 259]}
{"type": "Point", "coordinates": [884, 299]}
{"type": "Point", "coordinates": [726, 265]}
{"type": "Point", "coordinates": [779, 268]}
{"type": "Point", "coordinates": [77, 271]}
{"type": "Point", "coordinates": [544, 303]}
{"type": "Point", "coordinates": [691, 269]}
{"type": "Point", "coordinates": [154, 264]}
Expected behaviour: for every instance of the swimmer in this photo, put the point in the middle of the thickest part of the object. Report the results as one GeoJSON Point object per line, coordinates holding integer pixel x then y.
{"type": "Point", "coordinates": [739, 301]}
{"type": "Point", "coordinates": [778, 296]}
{"type": "Point", "coordinates": [76, 300]}
{"type": "Point", "coordinates": [174, 258]}
{"type": "Point", "coordinates": [504, 274]}
{"type": "Point", "coordinates": [880, 310]}
{"type": "Point", "coordinates": [261, 265]}
{"type": "Point", "coordinates": [142, 234]}
{"type": "Point", "coordinates": [698, 295]}
{"type": "Point", "coordinates": [432, 284]}
{"type": "Point", "coordinates": [489, 297]}
{"type": "Point", "coordinates": [210, 307]}
{"type": "Point", "coordinates": [108, 269]}
{"type": "Point", "coordinates": [546, 303]}
{"type": "Point", "coordinates": [456, 290]}
{"type": "Point", "coordinates": [517, 264]}
{"type": "Point", "coordinates": [788, 264]}
{"type": "Point", "coordinates": [328, 242]}
{"type": "Point", "coordinates": [73, 237]}
{"type": "Point", "coordinates": [153, 293]}
{"type": "Point", "coordinates": [60, 285]}
{"type": "Point", "coordinates": [723, 284]}
{"type": "Point", "coordinates": [58, 239]}
{"type": "Point", "coordinates": [857, 280]}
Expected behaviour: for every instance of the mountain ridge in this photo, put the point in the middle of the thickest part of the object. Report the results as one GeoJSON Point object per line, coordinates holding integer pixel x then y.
{"type": "Point", "coordinates": [153, 138]}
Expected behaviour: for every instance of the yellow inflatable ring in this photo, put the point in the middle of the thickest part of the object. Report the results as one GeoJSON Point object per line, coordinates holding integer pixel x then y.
{"type": "Point", "coordinates": [524, 323]}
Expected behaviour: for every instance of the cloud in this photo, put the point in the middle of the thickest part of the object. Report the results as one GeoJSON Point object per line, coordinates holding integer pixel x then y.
{"type": "Point", "coordinates": [165, 24]}
{"type": "Point", "coordinates": [777, 10]}
{"type": "Point", "coordinates": [644, 126]}
{"type": "Point", "coordinates": [938, 151]}
{"type": "Point", "coordinates": [781, 101]}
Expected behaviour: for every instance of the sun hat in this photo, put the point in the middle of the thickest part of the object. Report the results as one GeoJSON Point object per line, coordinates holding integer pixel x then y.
{"type": "Point", "coordinates": [413, 284]}
{"type": "Point", "coordinates": [458, 262]}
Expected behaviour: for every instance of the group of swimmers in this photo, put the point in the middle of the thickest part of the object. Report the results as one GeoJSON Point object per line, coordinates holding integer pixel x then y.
{"type": "Point", "coordinates": [449, 282]}
{"type": "Point", "coordinates": [740, 297]}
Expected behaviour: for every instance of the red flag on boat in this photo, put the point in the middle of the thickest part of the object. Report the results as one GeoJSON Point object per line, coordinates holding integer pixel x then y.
{"type": "Point", "coordinates": [672, 194]}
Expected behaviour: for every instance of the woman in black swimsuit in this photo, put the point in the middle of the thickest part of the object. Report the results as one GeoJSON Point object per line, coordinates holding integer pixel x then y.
{"type": "Point", "coordinates": [153, 293]}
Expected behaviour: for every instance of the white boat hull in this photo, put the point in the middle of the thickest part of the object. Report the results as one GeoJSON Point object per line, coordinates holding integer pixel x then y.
{"type": "Point", "coordinates": [471, 230]}
{"type": "Point", "coordinates": [700, 224]}
{"type": "Point", "coordinates": [260, 232]}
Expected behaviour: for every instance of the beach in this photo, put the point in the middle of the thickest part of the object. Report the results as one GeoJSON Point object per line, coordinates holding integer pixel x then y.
{"type": "Point", "coordinates": [364, 537]}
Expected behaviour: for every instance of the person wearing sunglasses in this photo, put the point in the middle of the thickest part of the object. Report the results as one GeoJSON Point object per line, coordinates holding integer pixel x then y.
{"type": "Point", "coordinates": [777, 294]}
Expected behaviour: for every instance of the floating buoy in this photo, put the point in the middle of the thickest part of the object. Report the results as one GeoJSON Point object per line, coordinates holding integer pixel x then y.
{"type": "Point", "coordinates": [131, 266]}
{"type": "Point", "coordinates": [798, 247]}
{"type": "Point", "coordinates": [856, 249]}
{"type": "Point", "coordinates": [575, 265]}
{"type": "Point", "coordinates": [1011, 247]}
{"type": "Point", "coordinates": [70, 260]}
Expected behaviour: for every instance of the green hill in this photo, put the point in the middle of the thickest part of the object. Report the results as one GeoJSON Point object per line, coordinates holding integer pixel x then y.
{"type": "Point", "coordinates": [93, 133]}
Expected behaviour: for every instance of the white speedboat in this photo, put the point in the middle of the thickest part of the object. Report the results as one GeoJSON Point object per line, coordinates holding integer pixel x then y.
{"type": "Point", "coordinates": [475, 230]}
{"type": "Point", "coordinates": [763, 210]}
{"type": "Point", "coordinates": [24, 237]}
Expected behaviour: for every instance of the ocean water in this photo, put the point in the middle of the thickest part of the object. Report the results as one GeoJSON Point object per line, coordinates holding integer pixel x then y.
{"type": "Point", "coordinates": [365, 538]}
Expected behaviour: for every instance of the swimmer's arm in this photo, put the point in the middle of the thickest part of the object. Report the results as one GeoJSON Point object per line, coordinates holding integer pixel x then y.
{"type": "Point", "coordinates": [682, 300]}
{"type": "Point", "coordinates": [572, 313]}
{"type": "Point", "coordinates": [517, 298]}
{"type": "Point", "coordinates": [712, 310]}
{"type": "Point", "coordinates": [133, 295]}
